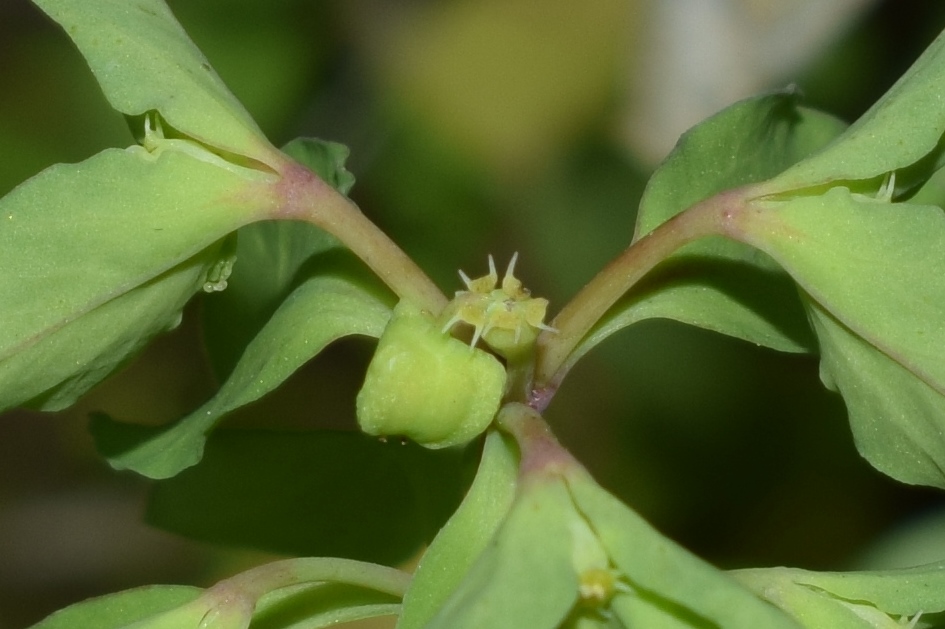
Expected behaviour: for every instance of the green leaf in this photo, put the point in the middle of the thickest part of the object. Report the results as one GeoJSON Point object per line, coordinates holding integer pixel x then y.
{"type": "Point", "coordinates": [526, 577]}
{"type": "Point", "coordinates": [307, 593]}
{"type": "Point", "coordinates": [100, 256]}
{"type": "Point", "coordinates": [645, 609]}
{"type": "Point", "coordinates": [816, 609]}
{"type": "Point", "coordinates": [747, 142]}
{"type": "Point", "coordinates": [144, 61]}
{"type": "Point", "coordinates": [857, 600]}
{"type": "Point", "coordinates": [337, 303]}
{"type": "Point", "coordinates": [322, 493]}
{"type": "Point", "coordinates": [321, 605]}
{"type": "Point", "coordinates": [746, 299]}
{"type": "Point", "coordinates": [592, 621]}
{"type": "Point", "coordinates": [121, 609]}
{"type": "Point", "coordinates": [902, 130]}
{"type": "Point", "coordinates": [932, 191]}
{"type": "Point", "coordinates": [569, 554]}
{"type": "Point", "coordinates": [874, 274]}
{"type": "Point", "coordinates": [465, 535]}
{"type": "Point", "coordinates": [664, 575]}
{"type": "Point", "coordinates": [715, 283]}
{"type": "Point", "coordinates": [900, 592]}
{"type": "Point", "coordinates": [896, 418]}
{"type": "Point", "coordinates": [56, 371]}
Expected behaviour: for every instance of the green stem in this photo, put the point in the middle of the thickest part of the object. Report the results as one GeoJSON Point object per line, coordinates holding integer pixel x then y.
{"type": "Point", "coordinates": [521, 371]}
{"type": "Point", "coordinates": [261, 580]}
{"type": "Point", "coordinates": [541, 454]}
{"type": "Point", "coordinates": [300, 195]}
{"type": "Point", "coordinates": [578, 317]}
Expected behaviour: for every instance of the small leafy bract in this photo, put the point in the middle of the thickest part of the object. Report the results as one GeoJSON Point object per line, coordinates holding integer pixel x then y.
{"type": "Point", "coordinates": [324, 158]}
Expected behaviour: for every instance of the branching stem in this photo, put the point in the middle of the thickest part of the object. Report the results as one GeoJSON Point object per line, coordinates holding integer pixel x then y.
{"type": "Point", "coordinates": [300, 195]}
{"type": "Point", "coordinates": [541, 453]}
{"type": "Point", "coordinates": [710, 217]}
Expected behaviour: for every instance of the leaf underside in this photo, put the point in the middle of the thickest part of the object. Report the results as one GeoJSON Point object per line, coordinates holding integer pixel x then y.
{"type": "Point", "coordinates": [313, 493]}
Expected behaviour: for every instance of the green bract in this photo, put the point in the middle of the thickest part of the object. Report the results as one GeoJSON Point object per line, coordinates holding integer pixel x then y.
{"type": "Point", "coordinates": [426, 385]}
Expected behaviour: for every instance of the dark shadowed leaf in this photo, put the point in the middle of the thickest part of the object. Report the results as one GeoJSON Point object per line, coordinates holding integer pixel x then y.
{"type": "Point", "coordinates": [270, 257]}
{"type": "Point", "coordinates": [339, 494]}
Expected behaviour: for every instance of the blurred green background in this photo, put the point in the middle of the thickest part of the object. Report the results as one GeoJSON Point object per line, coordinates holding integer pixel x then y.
{"type": "Point", "coordinates": [476, 127]}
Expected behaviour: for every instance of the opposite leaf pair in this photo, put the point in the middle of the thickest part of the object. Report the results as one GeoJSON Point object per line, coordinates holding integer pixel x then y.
{"type": "Point", "coordinates": [537, 543]}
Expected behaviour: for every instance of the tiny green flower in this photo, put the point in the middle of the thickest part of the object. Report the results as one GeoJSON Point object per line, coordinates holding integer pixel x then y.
{"type": "Point", "coordinates": [505, 316]}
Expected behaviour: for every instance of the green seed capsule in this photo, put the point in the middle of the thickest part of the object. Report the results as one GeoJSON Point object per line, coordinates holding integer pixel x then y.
{"type": "Point", "coordinates": [428, 386]}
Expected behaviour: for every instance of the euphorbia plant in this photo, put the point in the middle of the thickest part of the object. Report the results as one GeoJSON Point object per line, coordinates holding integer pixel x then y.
{"type": "Point", "coordinates": [844, 223]}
